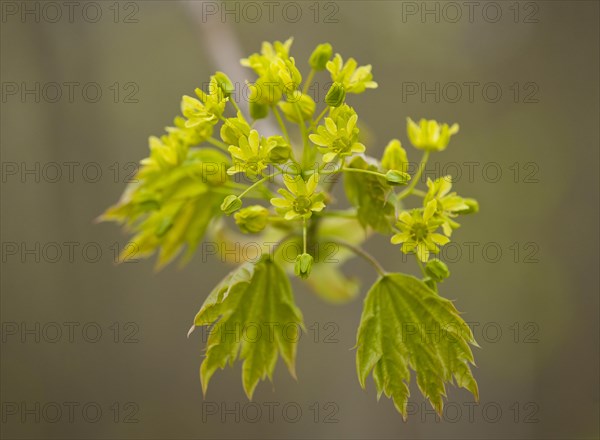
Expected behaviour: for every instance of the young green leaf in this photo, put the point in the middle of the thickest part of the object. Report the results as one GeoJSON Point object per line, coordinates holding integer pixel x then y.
{"type": "Point", "coordinates": [255, 318]}
{"type": "Point", "coordinates": [371, 195]}
{"type": "Point", "coordinates": [171, 206]}
{"type": "Point", "coordinates": [405, 325]}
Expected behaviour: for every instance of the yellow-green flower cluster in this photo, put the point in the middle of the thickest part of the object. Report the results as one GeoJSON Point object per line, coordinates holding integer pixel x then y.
{"type": "Point", "coordinates": [277, 75]}
{"type": "Point", "coordinates": [418, 227]}
{"type": "Point", "coordinates": [166, 152]}
{"type": "Point", "coordinates": [338, 137]}
{"type": "Point", "coordinates": [208, 109]}
{"type": "Point", "coordinates": [189, 135]}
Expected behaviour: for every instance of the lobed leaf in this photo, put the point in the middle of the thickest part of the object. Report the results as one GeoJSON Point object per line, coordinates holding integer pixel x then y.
{"type": "Point", "coordinates": [254, 317]}
{"type": "Point", "coordinates": [171, 207]}
{"type": "Point", "coordinates": [407, 326]}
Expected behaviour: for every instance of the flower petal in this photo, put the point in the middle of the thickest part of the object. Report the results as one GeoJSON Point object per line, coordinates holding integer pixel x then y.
{"type": "Point", "coordinates": [439, 239]}
{"type": "Point", "coordinates": [311, 184]}
{"type": "Point", "coordinates": [429, 210]}
{"type": "Point", "coordinates": [317, 206]}
{"type": "Point", "coordinates": [422, 252]}
{"type": "Point", "coordinates": [319, 140]}
{"type": "Point", "coordinates": [329, 157]}
{"type": "Point", "coordinates": [288, 195]}
{"type": "Point", "coordinates": [405, 217]}
{"type": "Point", "coordinates": [290, 182]}
{"type": "Point", "coordinates": [254, 141]}
{"type": "Point", "coordinates": [331, 127]}
{"type": "Point", "coordinates": [358, 148]}
{"type": "Point", "coordinates": [398, 238]}
{"type": "Point", "coordinates": [280, 203]}
{"type": "Point", "coordinates": [445, 185]}
{"type": "Point", "coordinates": [409, 247]}
{"type": "Point", "coordinates": [447, 229]}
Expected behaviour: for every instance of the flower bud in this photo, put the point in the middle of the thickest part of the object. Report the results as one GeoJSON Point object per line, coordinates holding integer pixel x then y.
{"type": "Point", "coordinates": [336, 95]}
{"type": "Point", "coordinates": [287, 73]}
{"type": "Point", "coordinates": [252, 220]}
{"type": "Point", "coordinates": [298, 103]}
{"type": "Point", "coordinates": [193, 110]}
{"type": "Point", "coordinates": [263, 91]}
{"type": "Point", "coordinates": [231, 204]}
{"type": "Point", "coordinates": [279, 149]}
{"type": "Point", "coordinates": [303, 265]}
{"type": "Point", "coordinates": [224, 84]}
{"type": "Point", "coordinates": [394, 157]}
{"type": "Point", "coordinates": [234, 128]}
{"type": "Point", "coordinates": [437, 270]}
{"type": "Point", "coordinates": [395, 177]}
{"type": "Point", "coordinates": [258, 110]}
{"type": "Point", "coordinates": [318, 59]}
{"type": "Point", "coordinates": [473, 207]}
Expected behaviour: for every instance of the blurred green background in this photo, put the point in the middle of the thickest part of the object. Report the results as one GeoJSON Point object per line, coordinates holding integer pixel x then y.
{"type": "Point", "coordinates": [534, 307]}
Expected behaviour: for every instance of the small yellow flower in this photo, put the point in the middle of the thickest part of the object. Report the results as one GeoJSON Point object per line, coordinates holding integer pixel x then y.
{"type": "Point", "coordinates": [417, 232]}
{"type": "Point", "coordinates": [250, 157]}
{"type": "Point", "coordinates": [354, 79]}
{"type": "Point", "coordinates": [208, 110]}
{"type": "Point", "coordinates": [339, 136]}
{"type": "Point", "coordinates": [269, 53]}
{"type": "Point", "coordinates": [189, 135]}
{"type": "Point", "coordinates": [429, 134]}
{"type": "Point", "coordinates": [301, 200]}
{"type": "Point", "coordinates": [166, 153]}
{"type": "Point", "coordinates": [448, 205]}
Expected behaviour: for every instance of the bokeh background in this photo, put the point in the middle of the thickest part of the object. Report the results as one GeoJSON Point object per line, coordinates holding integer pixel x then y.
{"type": "Point", "coordinates": [534, 307]}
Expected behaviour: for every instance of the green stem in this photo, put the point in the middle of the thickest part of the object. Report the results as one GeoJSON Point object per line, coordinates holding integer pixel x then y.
{"type": "Point", "coordinates": [258, 182]}
{"type": "Point", "coordinates": [340, 214]}
{"type": "Point", "coordinates": [217, 143]}
{"type": "Point", "coordinates": [235, 185]}
{"type": "Point", "coordinates": [362, 253]}
{"type": "Point", "coordinates": [237, 108]}
{"type": "Point", "coordinates": [301, 124]}
{"type": "Point", "coordinates": [307, 150]}
{"type": "Point", "coordinates": [281, 124]}
{"type": "Point", "coordinates": [309, 79]}
{"type": "Point", "coordinates": [291, 172]}
{"type": "Point", "coordinates": [336, 170]}
{"type": "Point", "coordinates": [304, 231]}
{"type": "Point", "coordinates": [357, 170]}
{"type": "Point", "coordinates": [420, 264]}
{"type": "Point", "coordinates": [415, 178]}
{"type": "Point", "coordinates": [316, 121]}
{"type": "Point", "coordinates": [435, 289]}
{"type": "Point", "coordinates": [332, 182]}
